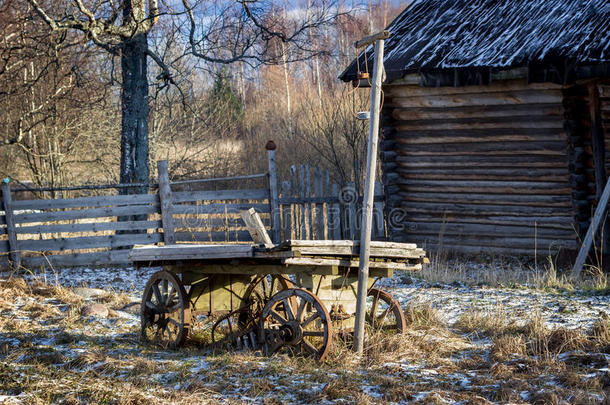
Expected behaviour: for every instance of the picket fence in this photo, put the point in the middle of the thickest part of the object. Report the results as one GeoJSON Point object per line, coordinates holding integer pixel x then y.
{"type": "Point", "coordinates": [100, 230]}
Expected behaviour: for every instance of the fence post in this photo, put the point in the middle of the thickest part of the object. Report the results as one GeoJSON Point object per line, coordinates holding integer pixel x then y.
{"type": "Point", "coordinates": [166, 200]}
{"type": "Point", "coordinates": [14, 254]}
{"type": "Point", "coordinates": [273, 193]}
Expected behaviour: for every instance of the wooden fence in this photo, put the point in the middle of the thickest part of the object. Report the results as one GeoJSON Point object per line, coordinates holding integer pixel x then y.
{"type": "Point", "coordinates": [100, 230]}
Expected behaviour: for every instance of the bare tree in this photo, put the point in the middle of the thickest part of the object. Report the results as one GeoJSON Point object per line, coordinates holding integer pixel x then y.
{"type": "Point", "coordinates": [214, 31]}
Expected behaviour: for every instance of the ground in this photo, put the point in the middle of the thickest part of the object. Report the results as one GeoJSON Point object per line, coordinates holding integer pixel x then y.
{"type": "Point", "coordinates": [466, 342]}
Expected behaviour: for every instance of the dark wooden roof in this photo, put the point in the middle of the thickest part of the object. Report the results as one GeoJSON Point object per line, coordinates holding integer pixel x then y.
{"type": "Point", "coordinates": [446, 36]}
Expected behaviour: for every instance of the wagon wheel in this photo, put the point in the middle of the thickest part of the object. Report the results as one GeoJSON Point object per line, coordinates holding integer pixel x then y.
{"type": "Point", "coordinates": [235, 331]}
{"type": "Point", "coordinates": [298, 321]}
{"type": "Point", "coordinates": [383, 313]}
{"type": "Point", "coordinates": [259, 293]}
{"type": "Point", "coordinates": [165, 314]}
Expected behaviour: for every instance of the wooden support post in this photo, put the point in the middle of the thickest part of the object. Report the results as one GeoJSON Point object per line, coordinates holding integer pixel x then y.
{"type": "Point", "coordinates": [13, 246]}
{"type": "Point", "coordinates": [167, 203]}
{"type": "Point", "coordinates": [599, 155]}
{"type": "Point", "coordinates": [256, 228]}
{"type": "Point", "coordinates": [368, 197]}
{"type": "Point", "coordinates": [600, 214]}
{"type": "Point", "coordinates": [273, 193]}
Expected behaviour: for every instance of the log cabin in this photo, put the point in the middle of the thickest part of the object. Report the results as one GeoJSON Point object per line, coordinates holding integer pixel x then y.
{"type": "Point", "coordinates": [495, 128]}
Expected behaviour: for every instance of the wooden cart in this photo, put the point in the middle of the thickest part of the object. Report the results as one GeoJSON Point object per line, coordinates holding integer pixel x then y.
{"type": "Point", "coordinates": [293, 296]}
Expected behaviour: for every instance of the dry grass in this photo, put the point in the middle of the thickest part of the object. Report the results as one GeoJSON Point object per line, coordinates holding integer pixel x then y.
{"type": "Point", "coordinates": [504, 271]}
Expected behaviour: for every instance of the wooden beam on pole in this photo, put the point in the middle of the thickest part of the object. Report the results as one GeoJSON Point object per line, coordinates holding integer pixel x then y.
{"type": "Point", "coordinates": [600, 214]}
{"type": "Point", "coordinates": [369, 191]}
{"type": "Point", "coordinates": [256, 227]}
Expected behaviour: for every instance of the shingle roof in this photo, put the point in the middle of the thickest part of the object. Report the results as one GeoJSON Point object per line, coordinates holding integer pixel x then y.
{"type": "Point", "coordinates": [432, 35]}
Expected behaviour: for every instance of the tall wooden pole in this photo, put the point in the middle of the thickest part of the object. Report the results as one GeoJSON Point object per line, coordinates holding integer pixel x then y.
{"type": "Point", "coordinates": [273, 193]}
{"type": "Point", "coordinates": [369, 192]}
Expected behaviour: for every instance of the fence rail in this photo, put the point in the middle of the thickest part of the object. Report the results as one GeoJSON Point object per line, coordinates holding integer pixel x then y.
{"type": "Point", "coordinates": [100, 230]}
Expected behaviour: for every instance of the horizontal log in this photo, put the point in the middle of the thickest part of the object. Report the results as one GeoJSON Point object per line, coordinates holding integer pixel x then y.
{"type": "Point", "coordinates": [479, 187]}
{"type": "Point", "coordinates": [107, 258]}
{"type": "Point", "coordinates": [214, 236]}
{"type": "Point", "coordinates": [89, 227]}
{"type": "Point", "coordinates": [450, 208]}
{"type": "Point", "coordinates": [480, 99]}
{"type": "Point", "coordinates": [210, 209]}
{"type": "Point", "coordinates": [562, 223]}
{"type": "Point", "coordinates": [475, 112]}
{"type": "Point", "coordinates": [451, 136]}
{"type": "Point", "coordinates": [485, 173]}
{"type": "Point", "coordinates": [220, 195]}
{"type": "Point", "coordinates": [487, 160]}
{"type": "Point", "coordinates": [88, 242]}
{"type": "Point", "coordinates": [87, 213]}
{"type": "Point", "coordinates": [83, 202]}
{"type": "Point", "coordinates": [516, 124]}
{"type": "Point", "coordinates": [491, 230]}
{"type": "Point", "coordinates": [558, 134]}
{"type": "Point", "coordinates": [531, 200]}
{"type": "Point", "coordinates": [500, 86]}
{"type": "Point", "coordinates": [482, 149]}
{"type": "Point", "coordinates": [540, 244]}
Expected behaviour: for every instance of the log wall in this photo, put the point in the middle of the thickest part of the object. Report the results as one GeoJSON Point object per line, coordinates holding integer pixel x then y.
{"type": "Point", "coordinates": [479, 168]}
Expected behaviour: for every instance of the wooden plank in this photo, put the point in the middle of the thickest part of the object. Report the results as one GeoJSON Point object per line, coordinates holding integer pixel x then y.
{"type": "Point", "coordinates": [304, 227]}
{"type": "Point", "coordinates": [344, 243]}
{"type": "Point", "coordinates": [310, 225]}
{"type": "Point", "coordinates": [348, 251]}
{"type": "Point", "coordinates": [273, 194]}
{"type": "Point", "coordinates": [166, 202]}
{"type": "Point", "coordinates": [334, 216]}
{"type": "Point", "coordinates": [214, 236]}
{"type": "Point", "coordinates": [82, 202]}
{"type": "Point", "coordinates": [221, 195]}
{"type": "Point", "coordinates": [113, 257]}
{"type": "Point", "coordinates": [89, 227]}
{"type": "Point", "coordinates": [315, 261]}
{"type": "Point", "coordinates": [4, 246]}
{"type": "Point", "coordinates": [286, 213]}
{"type": "Point", "coordinates": [218, 208]}
{"type": "Point", "coordinates": [87, 213]}
{"type": "Point", "coordinates": [207, 221]}
{"type": "Point", "coordinates": [88, 242]}
{"type": "Point", "coordinates": [319, 208]}
{"type": "Point", "coordinates": [190, 252]}
{"type": "Point", "coordinates": [13, 244]}
{"type": "Point", "coordinates": [256, 228]}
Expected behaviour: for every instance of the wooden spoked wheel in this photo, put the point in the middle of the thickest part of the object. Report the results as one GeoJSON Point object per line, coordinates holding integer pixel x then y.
{"type": "Point", "coordinates": [236, 330]}
{"type": "Point", "coordinates": [259, 293]}
{"type": "Point", "coordinates": [296, 320]}
{"type": "Point", "coordinates": [165, 313]}
{"type": "Point", "coordinates": [383, 313]}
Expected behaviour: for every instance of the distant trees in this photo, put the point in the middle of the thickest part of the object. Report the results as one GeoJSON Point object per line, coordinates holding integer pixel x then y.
{"type": "Point", "coordinates": [220, 32]}
{"type": "Point", "coordinates": [196, 82]}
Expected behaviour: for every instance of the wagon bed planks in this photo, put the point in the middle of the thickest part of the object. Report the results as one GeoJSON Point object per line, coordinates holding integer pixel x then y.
{"type": "Point", "coordinates": [190, 252]}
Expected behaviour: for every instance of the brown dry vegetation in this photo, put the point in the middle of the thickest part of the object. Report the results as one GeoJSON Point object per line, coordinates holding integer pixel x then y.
{"type": "Point", "coordinates": [95, 361]}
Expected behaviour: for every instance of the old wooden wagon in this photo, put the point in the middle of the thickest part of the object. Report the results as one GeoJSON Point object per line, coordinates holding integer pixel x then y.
{"type": "Point", "coordinates": [294, 296]}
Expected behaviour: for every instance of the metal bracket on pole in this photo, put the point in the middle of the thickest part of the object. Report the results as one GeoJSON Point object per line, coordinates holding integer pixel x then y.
{"type": "Point", "coordinates": [369, 187]}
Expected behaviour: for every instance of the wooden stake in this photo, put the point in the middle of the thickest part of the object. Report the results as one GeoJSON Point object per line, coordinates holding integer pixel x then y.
{"type": "Point", "coordinates": [167, 203]}
{"type": "Point", "coordinates": [273, 193]}
{"type": "Point", "coordinates": [369, 190]}
{"type": "Point", "coordinates": [14, 254]}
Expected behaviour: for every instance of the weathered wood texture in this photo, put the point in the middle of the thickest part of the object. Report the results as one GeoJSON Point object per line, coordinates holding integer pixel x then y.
{"type": "Point", "coordinates": [479, 168]}
{"type": "Point", "coordinates": [313, 208]}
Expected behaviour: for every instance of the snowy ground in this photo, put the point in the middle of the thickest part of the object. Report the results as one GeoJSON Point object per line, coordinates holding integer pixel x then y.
{"type": "Point", "coordinates": [464, 344]}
